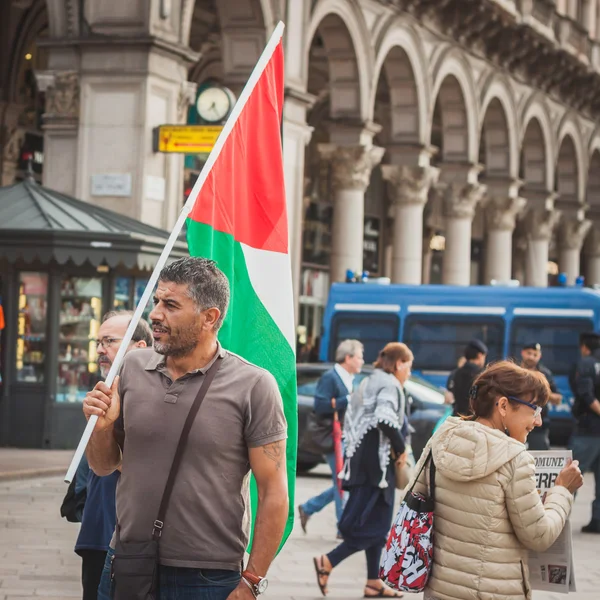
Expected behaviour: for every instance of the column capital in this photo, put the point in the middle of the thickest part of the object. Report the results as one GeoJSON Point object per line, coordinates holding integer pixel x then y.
{"type": "Point", "coordinates": [351, 165]}
{"type": "Point", "coordinates": [460, 200]}
{"type": "Point", "coordinates": [540, 223]}
{"type": "Point", "coordinates": [501, 212]}
{"type": "Point", "coordinates": [62, 97]}
{"type": "Point", "coordinates": [409, 185]}
{"type": "Point", "coordinates": [572, 233]}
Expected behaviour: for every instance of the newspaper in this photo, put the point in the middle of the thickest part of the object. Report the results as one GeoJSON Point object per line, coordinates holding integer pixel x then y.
{"type": "Point", "coordinates": [552, 570]}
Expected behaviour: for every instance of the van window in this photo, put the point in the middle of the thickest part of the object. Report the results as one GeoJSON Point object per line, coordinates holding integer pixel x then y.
{"type": "Point", "coordinates": [374, 330]}
{"type": "Point", "coordinates": [439, 341]}
{"type": "Point", "coordinates": [559, 339]}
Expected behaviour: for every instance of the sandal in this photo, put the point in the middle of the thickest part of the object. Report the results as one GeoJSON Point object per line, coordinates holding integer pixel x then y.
{"type": "Point", "coordinates": [321, 572]}
{"type": "Point", "coordinates": [382, 592]}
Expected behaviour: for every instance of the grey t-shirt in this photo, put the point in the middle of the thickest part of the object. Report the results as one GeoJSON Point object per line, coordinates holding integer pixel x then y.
{"type": "Point", "coordinates": [205, 524]}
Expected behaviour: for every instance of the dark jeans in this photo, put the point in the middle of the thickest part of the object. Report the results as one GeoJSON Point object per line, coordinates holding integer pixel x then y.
{"type": "Point", "coordinates": [176, 583]}
{"type": "Point", "coordinates": [92, 564]}
{"type": "Point", "coordinates": [345, 549]}
{"type": "Point", "coordinates": [586, 449]}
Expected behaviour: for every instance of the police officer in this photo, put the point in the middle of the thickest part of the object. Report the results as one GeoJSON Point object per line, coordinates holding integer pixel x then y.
{"type": "Point", "coordinates": [585, 442]}
{"type": "Point", "coordinates": [531, 354]}
{"type": "Point", "coordinates": [461, 380]}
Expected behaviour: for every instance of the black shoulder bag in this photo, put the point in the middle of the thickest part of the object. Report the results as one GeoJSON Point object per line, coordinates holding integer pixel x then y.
{"type": "Point", "coordinates": [134, 570]}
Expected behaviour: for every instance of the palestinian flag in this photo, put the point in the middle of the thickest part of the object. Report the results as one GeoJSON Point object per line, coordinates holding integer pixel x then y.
{"type": "Point", "coordinates": [239, 219]}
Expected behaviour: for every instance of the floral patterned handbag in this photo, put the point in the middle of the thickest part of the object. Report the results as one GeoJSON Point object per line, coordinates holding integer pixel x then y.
{"type": "Point", "coordinates": [408, 556]}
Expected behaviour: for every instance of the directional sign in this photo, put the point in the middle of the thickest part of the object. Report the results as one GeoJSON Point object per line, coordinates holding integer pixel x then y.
{"type": "Point", "coordinates": [186, 139]}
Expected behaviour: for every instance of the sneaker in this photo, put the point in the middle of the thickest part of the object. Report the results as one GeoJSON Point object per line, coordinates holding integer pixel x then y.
{"type": "Point", "coordinates": [303, 518]}
{"type": "Point", "coordinates": [592, 527]}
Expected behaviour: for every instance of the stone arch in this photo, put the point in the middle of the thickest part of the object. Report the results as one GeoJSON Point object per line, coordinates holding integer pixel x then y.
{"type": "Point", "coordinates": [568, 129]}
{"type": "Point", "coordinates": [534, 158]}
{"type": "Point", "coordinates": [593, 182]}
{"type": "Point", "coordinates": [537, 145]}
{"type": "Point", "coordinates": [229, 34]}
{"type": "Point", "coordinates": [34, 21]}
{"type": "Point", "coordinates": [252, 15]}
{"type": "Point", "coordinates": [499, 134]}
{"type": "Point", "coordinates": [454, 92]}
{"type": "Point", "coordinates": [346, 43]}
{"type": "Point", "coordinates": [401, 59]}
{"type": "Point", "coordinates": [568, 172]}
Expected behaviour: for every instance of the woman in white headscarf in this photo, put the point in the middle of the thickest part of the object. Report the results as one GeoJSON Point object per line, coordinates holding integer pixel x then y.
{"type": "Point", "coordinates": [375, 428]}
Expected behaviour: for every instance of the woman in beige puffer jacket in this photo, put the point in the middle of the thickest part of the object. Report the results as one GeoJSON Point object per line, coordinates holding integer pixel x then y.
{"type": "Point", "coordinates": [488, 513]}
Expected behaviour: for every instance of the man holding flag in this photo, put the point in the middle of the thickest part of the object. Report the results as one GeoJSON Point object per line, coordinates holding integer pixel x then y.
{"type": "Point", "coordinates": [240, 427]}
{"type": "Point", "coordinates": [236, 216]}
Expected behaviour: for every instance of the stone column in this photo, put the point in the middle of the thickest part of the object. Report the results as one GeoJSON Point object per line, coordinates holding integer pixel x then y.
{"type": "Point", "coordinates": [61, 125]}
{"type": "Point", "coordinates": [501, 215]}
{"type": "Point", "coordinates": [571, 235]}
{"type": "Point", "coordinates": [459, 206]}
{"type": "Point", "coordinates": [408, 188]}
{"type": "Point", "coordinates": [592, 252]}
{"type": "Point", "coordinates": [351, 173]}
{"type": "Point", "coordinates": [539, 226]}
{"type": "Point", "coordinates": [296, 135]}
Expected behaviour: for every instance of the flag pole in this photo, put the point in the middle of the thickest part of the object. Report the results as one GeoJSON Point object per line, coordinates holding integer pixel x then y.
{"type": "Point", "coordinates": [187, 208]}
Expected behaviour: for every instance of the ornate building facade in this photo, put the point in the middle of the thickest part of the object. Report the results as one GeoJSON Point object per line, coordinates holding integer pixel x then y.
{"type": "Point", "coordinates": [451, 141]}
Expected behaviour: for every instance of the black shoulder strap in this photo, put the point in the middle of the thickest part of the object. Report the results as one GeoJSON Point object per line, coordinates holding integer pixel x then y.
{"type": "Point", "coordinates": [160, 519]}
{"type": "Point", "coordinates": [432, 469]}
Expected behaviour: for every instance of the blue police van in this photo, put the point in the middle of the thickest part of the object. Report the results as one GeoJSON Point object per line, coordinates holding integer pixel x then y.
{"type": "Point", "coordinates": [437, 321]}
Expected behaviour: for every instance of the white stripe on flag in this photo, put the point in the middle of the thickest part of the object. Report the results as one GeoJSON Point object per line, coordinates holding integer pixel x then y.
{"type": "Point", "coordinates": [270, 274]}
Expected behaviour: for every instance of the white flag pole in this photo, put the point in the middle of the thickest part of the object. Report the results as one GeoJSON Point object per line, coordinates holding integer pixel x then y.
{"type": "Point", "coordinates": [228, 127]}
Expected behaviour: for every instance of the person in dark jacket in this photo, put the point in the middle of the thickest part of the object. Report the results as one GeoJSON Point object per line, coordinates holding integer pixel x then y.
{"type": "Point", "coordinates": [585, 442]}
{"type": "Point", "coordinates": [99, 513]}
{"type": "Point", "coordinates": [374, 442]}
{"type": "Point", "coordinates": [460, 381]}
{"type": "Point", "coordinates": [336, 383]}
{"type": "Point", "coordinates": [531, 354]}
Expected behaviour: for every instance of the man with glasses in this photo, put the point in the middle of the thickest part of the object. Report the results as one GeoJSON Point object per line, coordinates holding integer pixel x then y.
{"type": "Point", "coordinates": [531, 354]}
{"type": "Point", "coordinates": [98, 521]}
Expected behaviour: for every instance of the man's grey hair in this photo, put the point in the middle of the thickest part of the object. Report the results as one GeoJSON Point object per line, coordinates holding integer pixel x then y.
{"type": "Point", "coordinates": [142, 333]}
{"type": "Point", "coordinates": [207, 285]}
{"type": "Point", "coordinates": [347, 348]}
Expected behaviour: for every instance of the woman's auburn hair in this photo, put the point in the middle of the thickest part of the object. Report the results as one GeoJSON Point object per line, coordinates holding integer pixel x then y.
{"type": "Point", "coordinates": [505, 378]}
{"type": "Point", "coordinates": [391, 354]}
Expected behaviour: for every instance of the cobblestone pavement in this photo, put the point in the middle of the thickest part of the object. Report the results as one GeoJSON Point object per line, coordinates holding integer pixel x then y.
{"type": "Point", "coordinates": [37, 558]}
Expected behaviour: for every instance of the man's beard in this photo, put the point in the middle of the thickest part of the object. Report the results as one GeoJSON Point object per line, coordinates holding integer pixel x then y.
{"type": "Point", "coordinates": [180, 343]}
{"type": "Point", "coordinates": [104, 366]}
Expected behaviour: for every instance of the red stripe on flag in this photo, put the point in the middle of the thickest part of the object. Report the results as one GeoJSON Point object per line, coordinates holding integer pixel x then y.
{"type": "Point", "coordinates": [244, 194]}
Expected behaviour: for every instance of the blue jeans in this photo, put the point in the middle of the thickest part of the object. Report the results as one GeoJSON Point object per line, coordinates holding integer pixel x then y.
{"type": "Point", "coordinates": [331, 494]}
{"type": "Point", "coordinates": [176, 583]}
{"type": "Point", "coordinates": [586, 449]}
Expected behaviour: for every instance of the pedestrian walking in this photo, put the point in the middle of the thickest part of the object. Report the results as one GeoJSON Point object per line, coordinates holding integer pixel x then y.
{"type": "Point", "coordinates": [488, 513]}
{"type": "Point", "coordinates": [240, 428]}
{"type": "Point", "coordinates": [461, 379]}
{"type": "Point", "coordinates": [99, 516]}
{"type": "Point", "coordinates": [374, 424]}
{"type": "Point", "coordinates": [585, 442]}
{"type": "Point", "coordinates": [531, 354]}
{"type": "Point", "coordinates": [337, 383]}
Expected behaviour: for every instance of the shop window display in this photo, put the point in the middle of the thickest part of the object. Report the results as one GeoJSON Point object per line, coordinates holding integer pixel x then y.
{"type": "Point", "coordinates": [31, 331]}
{"type": "Point", "coordinates": [80, 315]}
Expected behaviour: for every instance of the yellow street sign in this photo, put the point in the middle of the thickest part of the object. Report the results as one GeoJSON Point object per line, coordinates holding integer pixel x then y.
{"type": "Point", "coordinates": [186, 139]}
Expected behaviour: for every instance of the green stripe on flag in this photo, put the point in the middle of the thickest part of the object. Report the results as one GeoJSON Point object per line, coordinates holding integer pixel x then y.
{"type": "Point", "coordinates": [250, 331]}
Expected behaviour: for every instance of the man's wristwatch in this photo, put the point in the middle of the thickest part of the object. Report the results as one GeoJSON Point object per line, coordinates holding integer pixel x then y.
{"type": "Point", "coordinates": [257, 584]}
